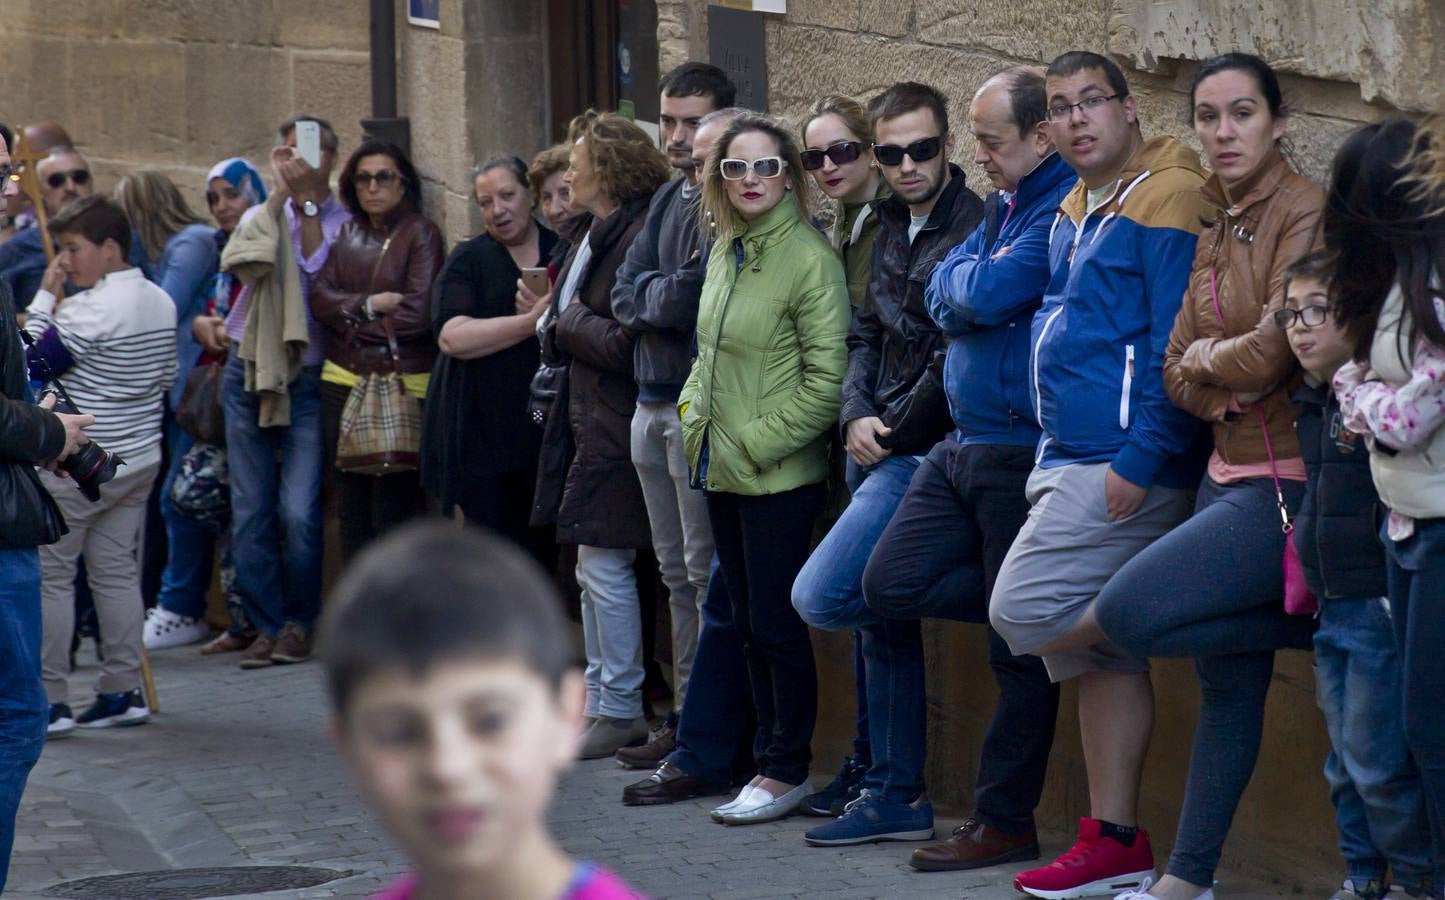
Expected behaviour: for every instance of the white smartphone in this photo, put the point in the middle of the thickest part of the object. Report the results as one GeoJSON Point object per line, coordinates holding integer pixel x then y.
{"type": "Point", "coordinates": [308, 142]}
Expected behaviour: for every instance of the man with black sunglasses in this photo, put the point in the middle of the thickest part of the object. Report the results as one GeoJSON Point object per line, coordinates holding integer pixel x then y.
{"type": "Point", "coordinates": [64, 177]}
{"type": "Point", "coordinates": [894, 411]}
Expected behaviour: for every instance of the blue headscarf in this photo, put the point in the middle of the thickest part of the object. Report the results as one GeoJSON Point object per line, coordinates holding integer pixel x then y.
{"type": "Point", "coordinates": [242, 176]}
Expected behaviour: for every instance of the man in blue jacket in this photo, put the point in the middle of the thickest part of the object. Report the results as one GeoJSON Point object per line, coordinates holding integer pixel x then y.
{"type": "Point", "coordinates": [942, 549]}
{"type": "Point", "coordinates": [1114, 469]}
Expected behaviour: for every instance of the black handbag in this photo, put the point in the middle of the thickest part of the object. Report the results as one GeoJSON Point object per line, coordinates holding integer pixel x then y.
{"type": "Point", "coordinates": [200, 414]}
{"type": "Point", "coordinates": [28, 514]}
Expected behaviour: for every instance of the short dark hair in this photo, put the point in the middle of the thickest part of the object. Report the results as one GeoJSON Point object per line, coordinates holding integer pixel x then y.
{"type": "Point", "coordinates": [410, 180]}
{"type": "Point", "coordinates": [328, 134]}
{"type": "Point", "coordinates": [1252, 66]}
{"type": "Point", "coordinates": [1027, 99]}
{"type": "Point", "coordinates": [699, 79]}
{"type": "Point", "coordinates": [96, 219]}
{"type": "Point", "coordinates": [1076, 61]}
{"type": "Point", "coordinates": [433, 592]}
{"type": "Point", "coordinates": [1314, 266]}
{"type": "Point", "coordinates": [9, 137]}
{"type": "Point", "coordinates": [904, 97]}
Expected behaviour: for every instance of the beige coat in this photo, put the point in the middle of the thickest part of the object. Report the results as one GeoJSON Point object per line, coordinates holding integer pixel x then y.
{"type": "Point", "coordinates": [260, 253]}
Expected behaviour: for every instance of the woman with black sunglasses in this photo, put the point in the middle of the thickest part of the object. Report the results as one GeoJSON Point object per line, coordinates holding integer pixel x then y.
{"type": "Point", "coordinates": [757, 412]}
{"type": "Point", "coordinates": [374, 298]}
{"type": "Point", "coordinates": [836, 136]}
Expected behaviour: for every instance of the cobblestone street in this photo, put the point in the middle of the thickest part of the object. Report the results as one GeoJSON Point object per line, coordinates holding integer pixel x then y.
{"type": "Point", "coordinates": [237, 770]}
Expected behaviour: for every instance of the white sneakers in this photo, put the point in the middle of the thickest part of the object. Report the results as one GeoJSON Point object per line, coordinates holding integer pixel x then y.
{"type": "Point", "coordinates": [1142, 893]}
{"type": "Point", "coordinates": [166, 629]}
{"type": "Point", "coordinates": [755, 804]}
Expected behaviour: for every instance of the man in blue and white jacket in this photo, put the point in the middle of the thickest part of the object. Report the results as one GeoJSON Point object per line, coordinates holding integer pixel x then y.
{"type": "Point", "coordinates": [1114, 468]}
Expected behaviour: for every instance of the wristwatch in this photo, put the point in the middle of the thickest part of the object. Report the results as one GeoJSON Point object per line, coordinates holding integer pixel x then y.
{"type": "Point", "coordinates": [309, 209]}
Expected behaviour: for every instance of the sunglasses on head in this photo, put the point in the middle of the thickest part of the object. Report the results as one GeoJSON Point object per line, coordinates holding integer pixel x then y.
{"type": "Point", "coordinates": [737, 169]}
{"type": "Point", "coordinates": [384, 178]}
{"type": "Point", "coordinates": [918, 151]}
{"type": "Point", "coordinates": [78, 177]}
{"type": "Point", "coordinates": [840, 153]}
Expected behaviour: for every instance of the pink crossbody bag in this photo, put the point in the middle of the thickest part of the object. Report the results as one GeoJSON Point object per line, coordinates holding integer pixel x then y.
{"type": "Point", "coordinates": [1299, 600]}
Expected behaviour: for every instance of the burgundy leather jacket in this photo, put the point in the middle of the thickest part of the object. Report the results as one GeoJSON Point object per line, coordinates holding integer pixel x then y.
{"type": "Point", "coordinates": [413, 256]}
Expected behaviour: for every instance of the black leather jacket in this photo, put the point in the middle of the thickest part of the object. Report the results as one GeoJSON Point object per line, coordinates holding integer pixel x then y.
{"type": "Point", "coordinates": [28, 434]}
{"type": "Point", "coordinates": [895, 349]}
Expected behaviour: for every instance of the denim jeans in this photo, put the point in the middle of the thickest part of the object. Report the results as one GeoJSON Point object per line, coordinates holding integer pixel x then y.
{"type": "Point", "coordinates": [828, 592]}
{"type": "Point", "coordinates": [611, 631]}
{"type": "Point", "coordinates": [1212, 589]}
{"type": "Point", "coordinates": [938, 558]}
{"type": "Point", "coordinates": [276, 537]}
{"type": "Point", "coordinates": [1415, 569]}
{"type": "Point", "coordinates": [715, 732]}
{"type": "Point", "coordinates": [24, 711]}
{"type": "Point", "coordinates": [192, 546]}
{"type": "Point", "coordinates": [762, 542]}
{"type": "Point", "coordinates": [1374, 782]}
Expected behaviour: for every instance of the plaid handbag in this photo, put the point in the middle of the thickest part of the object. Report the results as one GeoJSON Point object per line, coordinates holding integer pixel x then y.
{"type": "Point", "coordinates": [381, 422]}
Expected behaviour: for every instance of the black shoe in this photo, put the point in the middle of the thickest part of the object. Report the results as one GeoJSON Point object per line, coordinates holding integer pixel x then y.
{"type": "Point", "coordinates": [842, 790]}
{"type": "Point", "coordinates": [62, 722]}
{"type": "Point", "coordinates": [669, 784]}
{"type": "Point", "coordinates": [125, 708]}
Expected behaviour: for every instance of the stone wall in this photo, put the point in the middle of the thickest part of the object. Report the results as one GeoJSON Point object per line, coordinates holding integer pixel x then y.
{"type": "Point", "coordinates": [1339, 68]}
{"type": "Point", "coordinates": [182, 84]}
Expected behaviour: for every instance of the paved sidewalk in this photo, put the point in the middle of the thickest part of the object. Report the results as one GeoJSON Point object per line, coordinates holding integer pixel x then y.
{"type": "Point", "coordinates": [237, 770]}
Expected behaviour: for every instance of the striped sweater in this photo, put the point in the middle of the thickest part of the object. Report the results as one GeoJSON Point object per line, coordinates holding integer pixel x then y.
{"type": "Point", "coordinates": [113, 347]}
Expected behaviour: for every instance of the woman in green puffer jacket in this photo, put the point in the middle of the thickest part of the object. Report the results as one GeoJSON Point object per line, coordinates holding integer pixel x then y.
{"type": "Point", "coordinates": [756, 412]}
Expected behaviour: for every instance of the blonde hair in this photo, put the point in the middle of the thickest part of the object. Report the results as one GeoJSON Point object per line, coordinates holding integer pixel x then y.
{"type": "Point", "coordinates": [1425, 167]}
{"type": "Point", "coordinates": [155, 208]}
{"type": "Point", "coordinates": [622, 154]}
{"type": "Point", "coordinates": [716, 208]}
{"type": "Point", "coordinates": [849, 110]}
{"type": "Point", "coordinates": [544, 165]}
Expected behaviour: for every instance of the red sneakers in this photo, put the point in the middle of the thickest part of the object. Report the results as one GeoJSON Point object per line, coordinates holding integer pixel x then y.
{"type": "Point", "coordinates": [1094, 866]}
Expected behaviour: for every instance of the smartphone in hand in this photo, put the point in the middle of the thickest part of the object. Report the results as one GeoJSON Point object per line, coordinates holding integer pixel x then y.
{"type": "Point", "coordinates": [308, 142]}
{"type": "Point", "coordinates": [536, 281]}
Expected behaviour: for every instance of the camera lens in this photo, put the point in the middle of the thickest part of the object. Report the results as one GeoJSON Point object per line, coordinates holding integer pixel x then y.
{"type": "Point", "coordinates": [90, 467]}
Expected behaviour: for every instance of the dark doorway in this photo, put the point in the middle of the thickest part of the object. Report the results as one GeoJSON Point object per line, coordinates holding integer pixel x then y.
{"type": "Point", "coordinates": [601, 54]}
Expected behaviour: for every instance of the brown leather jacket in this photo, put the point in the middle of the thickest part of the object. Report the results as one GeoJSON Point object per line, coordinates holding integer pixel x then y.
{"type": "Point", "coordinates": [1263, 225]}
{"type": "Point", "coordinates": [413, 258]}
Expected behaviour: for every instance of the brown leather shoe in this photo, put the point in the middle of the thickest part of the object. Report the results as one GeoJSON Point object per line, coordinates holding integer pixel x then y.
{"type": "Point", "coordinates": [293, 645]}
{"type": "Point", "coordinates": [975, 845]}
{"type": "Point", "coordinates": [650, 755]}
{"type": "Point", "coordinates": [226, 642]}
{"type": "Point", "coordinates": [258, 655]}
{"type": "Point", "coordinates": [669, 784]}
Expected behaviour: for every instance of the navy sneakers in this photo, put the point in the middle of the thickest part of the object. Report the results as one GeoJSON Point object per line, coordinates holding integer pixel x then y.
{"type": "Point", "coordinates": [127, 708]}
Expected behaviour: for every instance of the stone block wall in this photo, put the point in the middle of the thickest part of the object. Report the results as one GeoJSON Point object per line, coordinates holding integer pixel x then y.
{"type": "Point", "coordinates": [1341, 65]}
{"type": "Point", "coordinates": [182, 84]}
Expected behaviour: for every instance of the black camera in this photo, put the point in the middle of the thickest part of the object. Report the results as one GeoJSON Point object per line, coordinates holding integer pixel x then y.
{"type": "Point", "coordinates": [90, 465]}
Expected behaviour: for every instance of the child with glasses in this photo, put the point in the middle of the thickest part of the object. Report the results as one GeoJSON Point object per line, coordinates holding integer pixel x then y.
{"type": "Point", "coordinates": [1374, 783]}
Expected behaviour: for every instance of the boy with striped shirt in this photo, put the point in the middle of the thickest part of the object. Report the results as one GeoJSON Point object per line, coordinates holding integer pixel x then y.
{"type": "Point", "coordinates": [113, 347]}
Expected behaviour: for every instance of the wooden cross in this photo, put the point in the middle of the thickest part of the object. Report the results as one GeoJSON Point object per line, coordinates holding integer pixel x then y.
{"type": "Point", "coordinates": [29, 161]}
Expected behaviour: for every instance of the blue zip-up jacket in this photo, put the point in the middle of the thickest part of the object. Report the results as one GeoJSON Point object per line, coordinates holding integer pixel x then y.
{"type": "Point", "coordinates": [1118, 277]}
{"type": "Point", "coordinates": [983, 295]}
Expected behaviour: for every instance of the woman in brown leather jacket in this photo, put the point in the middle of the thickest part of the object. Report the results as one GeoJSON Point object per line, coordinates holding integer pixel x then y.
{"type": "Point", "coordinates": [1212, 589]}
{"type": "Point", "coordinates": [379, 273]}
